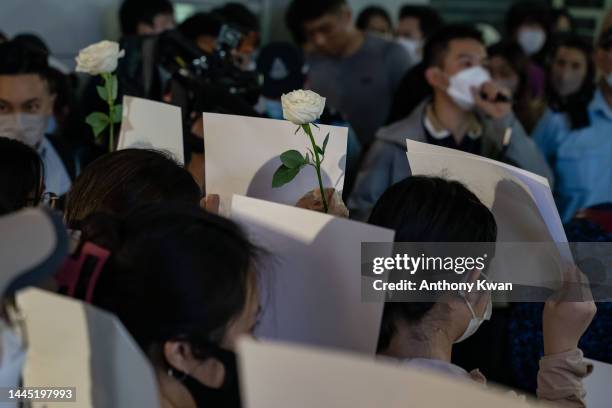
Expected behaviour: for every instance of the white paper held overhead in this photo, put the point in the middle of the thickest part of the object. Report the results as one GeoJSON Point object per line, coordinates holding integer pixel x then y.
{"type": "Point", "coordinates": [312, 291]}
{"type": "Point", "coordinates": [242, 155]}
{"type": "Point", "coordinates": [149, 124]}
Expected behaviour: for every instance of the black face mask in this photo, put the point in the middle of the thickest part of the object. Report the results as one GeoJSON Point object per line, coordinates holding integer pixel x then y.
{"type": "Point", "coordinates": [227, 396]}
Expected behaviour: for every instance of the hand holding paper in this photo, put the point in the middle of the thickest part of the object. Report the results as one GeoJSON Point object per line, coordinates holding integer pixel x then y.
{"type": "Point", "coordinates": [242, 155]}
{"type": "Point", "coordinates": [568, 314]}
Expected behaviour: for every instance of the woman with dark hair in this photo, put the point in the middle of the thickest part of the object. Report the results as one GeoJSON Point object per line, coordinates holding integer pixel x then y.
{"type": "Point", "coordinates": [375, 20]}
{"type": "Point", "coordinates": [509, 67]}
{"type": "Point", "coordinates": [528, 24]}
{"type": "Point", "coordinates": [423, 334]}
{"type": "Point", "coordinates": [571, 85]}
{"type": "Point", "coordinates": [184, 284]}
{"type": "Point", "coordinates": [120, 181]}
{"type": "Point", "coordinates": [21, 176]}
{"type": "Point", "coordinates": [424, 209]}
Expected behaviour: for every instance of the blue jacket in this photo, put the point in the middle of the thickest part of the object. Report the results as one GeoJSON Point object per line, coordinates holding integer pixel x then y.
{"type": "Point", "coordinates": [581, 158]}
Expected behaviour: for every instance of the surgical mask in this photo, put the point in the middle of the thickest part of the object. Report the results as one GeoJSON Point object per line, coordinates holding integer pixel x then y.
{"type": "Point", "coordinates": [475, 321]}
{"type": "Point", "coordinates": [13, 357]}
{"type": "Point", "coordinates": [567, 86]}
{"type": "Point", "coordinates": [531, 40]}
{"type": "Point", "coordinates": [28, 128]}
{"type": "Point", "coordinates": [413, 47]}
{"type": "Point", "coordinates": [461, 84]}
{"type": "Point", "coordinates": [227, 396]}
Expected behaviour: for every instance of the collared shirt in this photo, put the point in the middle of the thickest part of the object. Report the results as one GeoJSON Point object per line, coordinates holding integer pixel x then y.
{"type": "Point", "coordinates": [581, 158]}
{"type": "Point", "coordinates": [57, 179]}
{"type": "Point", "coordinates": [437, 134]}
{"type": "Point", "coordinates": [361, 87]}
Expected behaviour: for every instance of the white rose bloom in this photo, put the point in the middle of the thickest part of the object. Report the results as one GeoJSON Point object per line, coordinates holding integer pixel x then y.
{"type": "Point", "coordinates": [99, 58]}
{"type": "Point", "coordinates": [302, 107]}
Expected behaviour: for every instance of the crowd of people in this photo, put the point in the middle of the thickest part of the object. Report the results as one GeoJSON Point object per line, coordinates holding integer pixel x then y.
{"type": "Point", "coordinates": [185, 281]}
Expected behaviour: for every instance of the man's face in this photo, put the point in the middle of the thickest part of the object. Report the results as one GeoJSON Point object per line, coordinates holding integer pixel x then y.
{"type": "Point", "coordinates": [409, 27]}
{"type": "Point", "coordinates": [461, 54]}
{"type": "Point", "coordinates": [27, 93]}
{"type": "Point", "coordinates": [161, 23]}
{"type": "Point", "coordinates": [328, 34]}
{"type": "Point", "coordinates": [379, 25]}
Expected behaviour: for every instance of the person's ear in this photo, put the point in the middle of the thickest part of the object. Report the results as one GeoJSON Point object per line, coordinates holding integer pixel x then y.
{"type": "Point", "coordinates": [436, 78]}
{"type": "Point", "coordinates": [179, 356]}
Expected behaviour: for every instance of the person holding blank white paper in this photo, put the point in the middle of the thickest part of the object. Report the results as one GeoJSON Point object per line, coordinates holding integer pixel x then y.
{"type": "Point", "coordinates": [423, 209]}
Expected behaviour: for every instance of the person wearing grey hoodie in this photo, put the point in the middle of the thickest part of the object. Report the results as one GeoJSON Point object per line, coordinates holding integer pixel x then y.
{"type": "Point", "coordinates": [465, 111]}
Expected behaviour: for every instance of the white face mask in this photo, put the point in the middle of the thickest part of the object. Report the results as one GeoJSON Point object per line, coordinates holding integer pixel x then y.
{"type": "Point", "coordinates": [475, 321]}
{"type": "Point", "coordinates": [413, 47]}
{"type": "Point", "coordinates": [461, 84]}
{"type": "Point", "coordinates": [28, 128]}
{"type": "Point", "coordinates": [531, 40]}
{"type": "Point", "coordinates": [13, 357]}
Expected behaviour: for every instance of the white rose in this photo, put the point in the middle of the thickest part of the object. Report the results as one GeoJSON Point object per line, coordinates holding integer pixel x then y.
{"type": "Point", "coordinates": [99, 58]}
{"type": "Point", "coordinates": [302, 107]}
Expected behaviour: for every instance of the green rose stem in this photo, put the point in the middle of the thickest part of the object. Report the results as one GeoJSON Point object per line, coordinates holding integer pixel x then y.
{"type": "Point", "coordinates": [317, 165]}
{"type": "Point", "coordinates": [108, 84]}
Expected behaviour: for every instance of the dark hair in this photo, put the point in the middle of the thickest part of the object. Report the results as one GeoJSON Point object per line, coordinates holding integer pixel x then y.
{"type": "Point", "coordinates": [428, 209]}
{"type": "Point", "coordinates": [19, 57]}
{"type": "Point", "coordinates": [133, 12]}
{"type": "Point", "coordinates": [373, 11]}
{"type": "Point", "coordinates": [413, 88]}
{"type": "Point", "coordinates": [575, 105]}
{"type": "Point", "coordinates": [429, 18]}
{"type": "Point", "coordinates": [199, 24]}
{"type": "Point", "coordinates": [527, 11]}
{"type": "Point", "coordinates": [302, 11]}
{"type": "Point", "coordinates": [518, 61]}
{"type": "Point", "coordinates": [437, 45]}
{"type": "Point", "coordinates": [21, 174]}
{"type": "Point", "coordinates": [120, 181]}
{"type": "Point", "coordinates": [238, 16]}
{"type": "Point", "coordinates": [175, 272]}
{"type": "Point", "coordinates": [32, 40]}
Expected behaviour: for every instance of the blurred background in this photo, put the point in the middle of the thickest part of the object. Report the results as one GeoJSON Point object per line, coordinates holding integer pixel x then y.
{"type": "Point", "coordinates": [58, 20]}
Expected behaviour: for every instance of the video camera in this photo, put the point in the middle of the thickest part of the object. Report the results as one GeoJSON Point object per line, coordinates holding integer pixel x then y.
{"type": "Point", "coordinates": [170, 63]}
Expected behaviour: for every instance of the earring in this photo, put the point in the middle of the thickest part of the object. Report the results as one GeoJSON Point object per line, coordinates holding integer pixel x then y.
{"type": "Point", "coordinates": [172, 373]}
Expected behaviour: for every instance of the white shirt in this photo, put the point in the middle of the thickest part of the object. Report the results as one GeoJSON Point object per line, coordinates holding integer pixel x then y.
{"type": "Point", "coordinates": [56, 176]}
